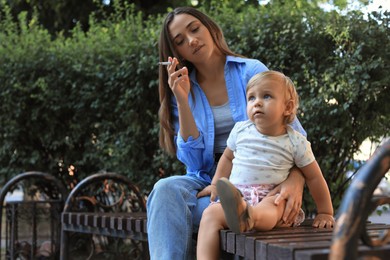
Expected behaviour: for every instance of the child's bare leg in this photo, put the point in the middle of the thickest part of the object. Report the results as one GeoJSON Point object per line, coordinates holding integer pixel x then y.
{"type": "Point", "coordinates": [266, 215]}
{"type": "Point", "coordinates": [213, 220]}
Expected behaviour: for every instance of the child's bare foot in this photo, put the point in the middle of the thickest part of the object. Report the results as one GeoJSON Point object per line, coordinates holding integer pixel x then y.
{"type": "Point", "coordinates": [237, 211]}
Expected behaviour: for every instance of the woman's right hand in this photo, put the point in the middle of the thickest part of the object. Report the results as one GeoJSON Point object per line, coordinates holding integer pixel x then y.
{"type": "Point", "coordinates": [178, 81]}
{"type": "Point", "coordinates": [209, 190]}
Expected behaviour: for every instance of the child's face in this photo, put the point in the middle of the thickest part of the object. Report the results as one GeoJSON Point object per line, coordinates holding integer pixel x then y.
{"type": "Point", "coordinates": [266, 106]}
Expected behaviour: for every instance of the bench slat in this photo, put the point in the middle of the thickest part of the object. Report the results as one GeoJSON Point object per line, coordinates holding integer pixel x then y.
{"type": "Point", "coordinates": [288, 243]}
{"type": "Point", "coordinates": [323, 254]}
{"type": "Point", "coordinates": [112, 224]}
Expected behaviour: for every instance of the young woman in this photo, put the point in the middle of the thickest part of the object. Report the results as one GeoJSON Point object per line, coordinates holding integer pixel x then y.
{"type": "Point", "coordinates": [202, 95]}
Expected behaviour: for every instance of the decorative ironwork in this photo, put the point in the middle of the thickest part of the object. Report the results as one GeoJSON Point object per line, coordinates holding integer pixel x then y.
{"type": "Point", "coordinates": [33, 229]}
{"type": "Point", "coordinates": [32, 226]}
{"type": "Point", "coordinates": [103, 193]}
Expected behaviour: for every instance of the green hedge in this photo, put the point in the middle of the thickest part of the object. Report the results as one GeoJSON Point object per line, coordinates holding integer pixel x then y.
{"type": "Point", "coordinates": [90, 101]}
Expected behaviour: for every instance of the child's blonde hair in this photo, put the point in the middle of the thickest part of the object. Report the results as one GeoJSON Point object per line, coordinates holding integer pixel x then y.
{"type": "Point", "coordinates": [290, 93]}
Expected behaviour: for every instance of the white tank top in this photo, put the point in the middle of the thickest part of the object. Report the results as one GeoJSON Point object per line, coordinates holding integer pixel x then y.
{"type": "Point", "coordinates": [223, 123]}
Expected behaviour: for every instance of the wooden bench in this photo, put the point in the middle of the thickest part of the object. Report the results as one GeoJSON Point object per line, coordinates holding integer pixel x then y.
{"type": "Point", "coordinates": [352, 237]}
{"type": "Point", "coordinates": [303, 242]}
{"type": "Point", "coordinates": [107, 212]}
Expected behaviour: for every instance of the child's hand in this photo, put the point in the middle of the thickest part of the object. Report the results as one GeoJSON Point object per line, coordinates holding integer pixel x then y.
{"type": "Point", "coordinates": [323, 221]}
{"type": "Point", "coordinates": [209, 190]}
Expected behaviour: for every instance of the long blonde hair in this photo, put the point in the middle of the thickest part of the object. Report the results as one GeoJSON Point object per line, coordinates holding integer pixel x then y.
{"type": "Point", "coordinates": [167, 49]}
{"type": "Point", "coordinates": [290, 93]}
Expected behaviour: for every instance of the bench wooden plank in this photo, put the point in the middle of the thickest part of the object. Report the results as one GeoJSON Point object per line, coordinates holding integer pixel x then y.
{"type": "Point", "coordinates": [111, 224]}
{"type": "Point", "coordinates": [223, 239]}
{"type": "Point", "coordinates": [286, 250]}
{"type": "Point", "coordinates": [250, 240]}
{"type": "Point", "coordinates": [89, 220]}
{"type": "Point", "coordinates": [240, 245]}
{"type": "Point", "coordinates": [323, 254]}
{"type": "Point", "coordinates": [286, 243]}
{"type": "Point", "coordinates": [231, 243]}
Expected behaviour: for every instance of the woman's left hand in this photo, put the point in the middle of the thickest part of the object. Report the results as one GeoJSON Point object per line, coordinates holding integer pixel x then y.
{"type": "Point", "coordinates": [209, 190]}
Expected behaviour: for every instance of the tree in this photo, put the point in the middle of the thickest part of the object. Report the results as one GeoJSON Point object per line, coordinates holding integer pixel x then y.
{"type": "Point", "coordinates": [63, 16]}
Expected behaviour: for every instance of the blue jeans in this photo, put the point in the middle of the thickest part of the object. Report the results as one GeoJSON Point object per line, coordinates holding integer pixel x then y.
{"type": "Point", "coordinates": [174, 213]}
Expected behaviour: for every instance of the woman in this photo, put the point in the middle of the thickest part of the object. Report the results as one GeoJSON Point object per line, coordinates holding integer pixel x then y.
{"type": "Point", "coordinates": [202, 95]}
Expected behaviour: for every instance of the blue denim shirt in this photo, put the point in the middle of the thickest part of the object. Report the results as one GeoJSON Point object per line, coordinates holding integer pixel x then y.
{"type": "Point", "coordinates": [198, 154]}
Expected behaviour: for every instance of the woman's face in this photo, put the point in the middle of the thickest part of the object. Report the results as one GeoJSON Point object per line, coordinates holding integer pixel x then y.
{"type": "Point", "coordinates": [192, 40]}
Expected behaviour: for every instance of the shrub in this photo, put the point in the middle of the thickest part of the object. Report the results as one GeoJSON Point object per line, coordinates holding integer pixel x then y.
{"type": "Point", "coordinates": [85, 103]}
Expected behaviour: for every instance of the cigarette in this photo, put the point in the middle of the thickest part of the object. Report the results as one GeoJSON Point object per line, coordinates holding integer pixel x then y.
{"type": "Point", "coordinates": [165, 63]}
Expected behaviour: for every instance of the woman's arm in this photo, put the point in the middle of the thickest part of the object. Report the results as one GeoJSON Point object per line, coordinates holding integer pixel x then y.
{"type": "Point", "coordinates": [291, 190]}
{"type": "Point", "coordinates": [179, 82]}
{"type": "Point", "coordinates": [188, 139]}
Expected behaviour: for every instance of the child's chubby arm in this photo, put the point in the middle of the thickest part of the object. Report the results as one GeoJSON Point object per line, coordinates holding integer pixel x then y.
{"type": "Point", "coordinates": [321, 195]}
{"type": "Point", "coordinates": [224, 169]}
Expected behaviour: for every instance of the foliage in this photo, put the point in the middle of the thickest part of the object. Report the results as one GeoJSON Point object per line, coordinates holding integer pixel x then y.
{"type": "Point", "coordinates": [339, 66]}
{"type": "Point", "coordinates": [88, 101]}
{"type": "Point", "coordinates": [55, 16]}
{"type": "Point", "coordinates": [81, 101]}
{"type": "Point", "coordinates": [63, 16]}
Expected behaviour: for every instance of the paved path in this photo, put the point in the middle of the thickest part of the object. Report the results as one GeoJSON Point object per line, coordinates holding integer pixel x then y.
{"type": "Point", "coordinates": [383, 218]}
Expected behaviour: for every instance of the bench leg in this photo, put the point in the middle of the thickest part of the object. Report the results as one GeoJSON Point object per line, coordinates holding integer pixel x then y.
{"type": "Point", "coordinates": [64, 246]}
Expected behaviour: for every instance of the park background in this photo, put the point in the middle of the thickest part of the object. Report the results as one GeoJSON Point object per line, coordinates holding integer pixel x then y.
{"type": "Point", "coordinates": [79, 82]}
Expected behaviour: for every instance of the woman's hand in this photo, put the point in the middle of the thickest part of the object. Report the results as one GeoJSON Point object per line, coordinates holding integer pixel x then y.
{"type": "Point", "coordinates": [323, 221]}
{"type": "Point", "coordinates": [178, 80]}
{"type": "Point", "coordinates": [209, 190]}
{"type": "Point", "coordinates": [291, 190]}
